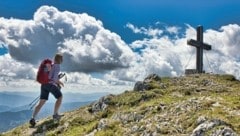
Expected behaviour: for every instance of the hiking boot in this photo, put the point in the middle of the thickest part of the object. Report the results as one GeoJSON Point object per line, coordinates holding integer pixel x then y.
{"type": "Point", "coordinates": [32, 122]}
{"type": "Point", "coordinates": [57, 116]}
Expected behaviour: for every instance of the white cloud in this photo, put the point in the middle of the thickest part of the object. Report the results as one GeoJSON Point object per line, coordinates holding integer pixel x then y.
{"type": "Point", "coordinates": [172, 29]}
{"type": "Point", "coordinates": [84, 83]}
{"type": "Point", "coordinates": [86, 45]}
{"type": "Point", "coordinates": [15, 70]}
{"type": "Point", "coordinates": [224, 57]}
{"type": "Point", "coordinates": [168, 56]}
{"type": "Point", "coordinates": [155, 31]}
{"type": "Point", "coordinates": [226, 41]}
{"type": "Point", "coordinates": [105, 52]}
{"type": "Point", "coordinates": [133, 28]}
{"type": "Point", "coordinates": [16, 75]}
{"type": "Point", "coordinates": [20, 76]}
{"type": "Point", "coordinates": [151, 32]}
{"type": "Point", "coordinates": [158, 56]}
{"type": "Point", "coordinates": [84, 79]}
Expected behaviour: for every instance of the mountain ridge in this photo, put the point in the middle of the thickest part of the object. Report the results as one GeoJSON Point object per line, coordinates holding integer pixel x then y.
{"type": "Point", "coordinates": [195, 105]}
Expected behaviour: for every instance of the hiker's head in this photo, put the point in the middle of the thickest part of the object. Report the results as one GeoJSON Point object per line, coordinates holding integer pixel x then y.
{"type": "Point", "coordinates": [58, 59]}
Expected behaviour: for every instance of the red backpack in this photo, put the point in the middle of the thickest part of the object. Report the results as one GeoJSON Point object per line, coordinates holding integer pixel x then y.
{"type": "Point", "coordinates": [42, 74]}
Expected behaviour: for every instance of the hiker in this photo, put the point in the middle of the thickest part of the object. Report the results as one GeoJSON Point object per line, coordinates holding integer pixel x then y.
{"type": "Point", "coordinates": [53, 86]}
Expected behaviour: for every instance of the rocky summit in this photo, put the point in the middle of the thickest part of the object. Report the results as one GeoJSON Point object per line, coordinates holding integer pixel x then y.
{"type": "Point", "coordinates": [193, 105]}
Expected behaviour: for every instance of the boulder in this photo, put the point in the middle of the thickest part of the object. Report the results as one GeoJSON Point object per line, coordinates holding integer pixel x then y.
{"type": "Point", "coordinates": [145, 84]}
{"type": "Point", "coordinates": [101, 104]}
{"type": "Point", "coordinates": [141, 86]}
{"type": "Point", "coordinates": [152, 77]}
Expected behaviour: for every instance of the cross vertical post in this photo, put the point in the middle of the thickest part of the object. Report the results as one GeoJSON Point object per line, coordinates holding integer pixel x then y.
{"type": "Point", "coordinates": [199, 56]}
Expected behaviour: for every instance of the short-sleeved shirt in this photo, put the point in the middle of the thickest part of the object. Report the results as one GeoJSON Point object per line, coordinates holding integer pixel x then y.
{"type": "Point", "coordinates": [53, 74]}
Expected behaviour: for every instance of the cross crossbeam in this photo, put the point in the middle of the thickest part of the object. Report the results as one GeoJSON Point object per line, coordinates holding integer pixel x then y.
{"type": "Point", "coordinates": [197, 44]}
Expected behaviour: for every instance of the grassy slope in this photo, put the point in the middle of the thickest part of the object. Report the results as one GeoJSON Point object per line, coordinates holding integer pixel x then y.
{"type": "Point", "coordinates": [171, 108]}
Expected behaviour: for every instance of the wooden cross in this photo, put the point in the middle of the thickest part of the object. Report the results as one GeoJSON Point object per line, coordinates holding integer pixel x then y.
{"type": "Point", "coordinates": [200, 45]}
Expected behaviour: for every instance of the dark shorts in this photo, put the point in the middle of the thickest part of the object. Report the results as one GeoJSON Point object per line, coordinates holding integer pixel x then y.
{"type": "Point", "coordinates": [50, 88]}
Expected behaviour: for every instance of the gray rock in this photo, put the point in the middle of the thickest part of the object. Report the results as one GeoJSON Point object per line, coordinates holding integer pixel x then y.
{"type": "Point", "coordinates": [226, 131]}
{"type": "Point", "coordinates": [142, 86]}
{"type": "Point", "coordinates": [209, 125]}
{"type": "Point", "coordinates": [135, 128]}
{"type": "Point", "coordinates": [127, 117]}
{"type": "Point", "coordinates": [152, 77]}
{"type": "Point", "coordinates": [101, 104]}
{"type": "Point", "coordinates": [201, 120]}
{"type": "Point", "coordinates": [139, 86]}
{"type": "Point", "coordinates": [102, 124]}
{"type": "Point", "coordinates": [145, 84]}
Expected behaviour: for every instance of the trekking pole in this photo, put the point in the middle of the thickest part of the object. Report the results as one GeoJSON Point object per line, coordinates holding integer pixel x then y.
{"type": "Point", "coordinates": [34, 104]}
{"type": "Point", "coordinates": [65, 78]}
{"type": "Point", "coordinates": [61, 75]}
{"type": "Point", "coordinates": [36, 99]}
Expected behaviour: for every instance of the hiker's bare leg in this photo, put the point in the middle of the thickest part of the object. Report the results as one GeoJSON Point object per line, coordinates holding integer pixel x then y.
{"type": "Point", "coordinates": [57, 105]}
{"type": "Point", "coordinates": [38, 107]}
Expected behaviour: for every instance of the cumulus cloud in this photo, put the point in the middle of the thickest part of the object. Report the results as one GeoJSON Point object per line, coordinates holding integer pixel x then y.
{"type": "Point", "coordinates": [224, 57]}
{"type": "Point", "coordinates": [86, 45]}
{"type": "Point", "coordinates": [169, 56]}
{"type": "Point", "coordinates": [160, 56]}
{"type": "Point", "coordinates": [85, 83]}
{"type": "Point", "coordinates": [226, 40]}
{"type": "Point", "coordinates": [20, 76]}
{"type": "Point", "coordinates": [11, 69]}
{"type": "Point", "coordinates": [15, 74]}
{"type": "Point", "coordinates": [84, 79]}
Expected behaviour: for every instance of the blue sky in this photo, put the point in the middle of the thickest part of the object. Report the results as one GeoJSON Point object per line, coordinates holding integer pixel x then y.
{"type": "Point", "coordinates": [116, 13]}
{"type": "Point", "coordinates": [109, 45]}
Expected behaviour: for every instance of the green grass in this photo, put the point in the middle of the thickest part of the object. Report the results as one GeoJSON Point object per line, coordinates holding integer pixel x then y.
{"type": "Point", "coordinates": [78, 130]}
{"type": "Point", "coordinates": [112, 129]}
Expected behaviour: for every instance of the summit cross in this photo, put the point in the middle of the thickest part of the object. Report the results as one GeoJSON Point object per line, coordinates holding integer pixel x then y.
{"type": "Point", "coordinates": [200, 45]}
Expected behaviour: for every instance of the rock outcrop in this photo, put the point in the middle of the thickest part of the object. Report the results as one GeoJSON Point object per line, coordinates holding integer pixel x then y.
{"type": "Point", "coordinates": [216, 126]}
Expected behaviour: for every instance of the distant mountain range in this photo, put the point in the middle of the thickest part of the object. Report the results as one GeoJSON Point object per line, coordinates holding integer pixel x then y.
{"type": "Point", "coordinates": [15, 108]}
{"type": "Point", "coordinates": [10, 120]}
{"type": "Point", "coordinates": [4, 108]}
{"type": "Point", "coordinates": [10, 100]}
{"type": "Point", "coordinates": [13, 100]}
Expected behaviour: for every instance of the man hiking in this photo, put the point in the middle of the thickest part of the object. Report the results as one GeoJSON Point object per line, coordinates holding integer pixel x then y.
{"type": "Point", "coordinates": [52, 85]}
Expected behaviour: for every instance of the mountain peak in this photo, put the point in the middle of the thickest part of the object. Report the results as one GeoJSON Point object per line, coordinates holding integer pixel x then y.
{"type": "Point", "coordinates": [196, 105]}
